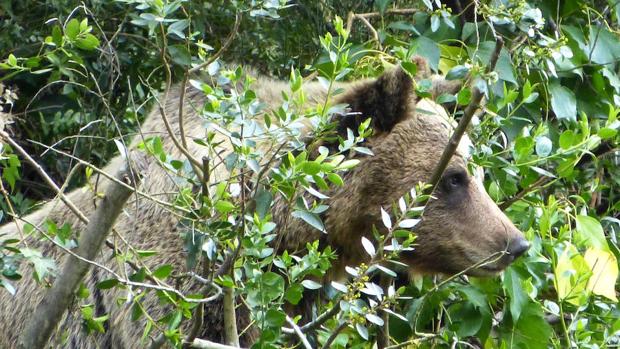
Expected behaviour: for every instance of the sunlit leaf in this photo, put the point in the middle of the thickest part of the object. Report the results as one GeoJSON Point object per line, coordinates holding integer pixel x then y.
{"type": "Point", "coordinates": [571, 276]}
{"type": "Point", "coordinates": [604, 272]}
{"type": "Point", "coordinates": [385, 217]}
{"type": "Point", "coordinates": [368, 246]}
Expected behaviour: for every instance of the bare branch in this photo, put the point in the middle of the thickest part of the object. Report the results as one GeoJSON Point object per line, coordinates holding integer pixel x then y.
{"type": "Point", "coordinates": [540, 182]}
{"type": "Point", "coordinates": [332, 337]}
{"type": "Point", "coordinates": [205, 344]}
{"type": "Point", "coordinates": [298, 332]}
{"type": "Point", "coordinates": [363, 17]}
{"type": "Point", "coordinates": [455, 139]}
{"type": "Point", "coordinates": [227, 43]}
{"type": "Point", "coordinates": [53, 305]}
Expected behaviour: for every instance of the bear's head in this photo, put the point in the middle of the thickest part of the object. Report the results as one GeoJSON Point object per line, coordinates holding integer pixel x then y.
{"type": "Point", "coordinates": [461, 226]}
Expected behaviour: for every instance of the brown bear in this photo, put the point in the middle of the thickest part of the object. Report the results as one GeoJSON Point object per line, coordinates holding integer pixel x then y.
{"type": "Point", "coordinates": [461, 224]}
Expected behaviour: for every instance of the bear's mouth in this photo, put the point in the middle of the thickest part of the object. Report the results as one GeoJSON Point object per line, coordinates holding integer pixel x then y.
{"type": "Point", "coordinates": [493, 267]}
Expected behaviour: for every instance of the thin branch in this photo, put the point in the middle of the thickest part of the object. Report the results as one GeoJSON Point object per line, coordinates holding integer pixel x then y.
{"type": "Point", "coordinates": [227, 43]}
{"type": "Point", "coordinates": [532, 187]}
{"type": "Point", "coordinates": [372, 30]}
{"type": "Point", "coordinates": [322, 318]}
{"type": "Point", "coordinates": [12, 213]}
{"type": "Point", "coordinates": [193, 161]}
{"type": "Point", "coordinates": [455, 139]}
{"type": "Point", "coordinates": [111, 178]}
{"type": "Point", "coordinates": [45, 176]}
{"type": "Point", "coordinates": [205, 344]}
{"type": "Point", "coordinates": [298, 332]}
{"type": "Point", "coordinates": [424, 337]}
{"type": "Point", "coordinates": [332, 337]}
{"type": "Point", "coordinates": [363, 17]}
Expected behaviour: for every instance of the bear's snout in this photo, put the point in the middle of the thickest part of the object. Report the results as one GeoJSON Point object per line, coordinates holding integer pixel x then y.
{"type": "Point", "coordinates": [517, 247]}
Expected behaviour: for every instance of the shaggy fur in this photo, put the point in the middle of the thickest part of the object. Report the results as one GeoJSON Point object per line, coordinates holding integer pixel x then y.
{"type": "Point", "coordinates": [460, 227]}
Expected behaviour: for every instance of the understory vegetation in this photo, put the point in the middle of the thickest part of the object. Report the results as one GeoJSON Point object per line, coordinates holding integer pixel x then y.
{"type": "Point", "coordinates": [76, 82]}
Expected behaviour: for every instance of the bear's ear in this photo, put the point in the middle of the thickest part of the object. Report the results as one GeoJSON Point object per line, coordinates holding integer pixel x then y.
{"type": "Point", "coordinates": [387, 99]}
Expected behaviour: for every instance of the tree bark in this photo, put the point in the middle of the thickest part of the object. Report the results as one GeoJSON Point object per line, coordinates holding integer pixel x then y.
{"type": "Point", "coordinates": [52, 307]}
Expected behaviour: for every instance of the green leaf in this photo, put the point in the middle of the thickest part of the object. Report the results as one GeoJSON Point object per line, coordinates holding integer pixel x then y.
{"type": "Point", "coordinates": [272, 285]}
{"type": "Point", "coordinates": [368, 246]}
{"type": "Point", "coordinates": [362, 330]}
{"type": "Point", "coordinates": [409, 67]}
{"type": "Point", "coordinates": [294, 293]}
{"type": "Point", "coordinates": [606, 133]}
{"type": "Point", "coordinates": [428, 49]}
{"type": "Point", "coordinates": [504, 63]}
{"type": "Point", "coordinates": [42, 266]}
{"type": "Point", "coordinates": [163, 271]}
{"type": "Point", "coordinates": [12, 60]}
{"type": "Point", "coordinates": [543, 146]}
{"type": "Point", "coordinates": [107, 284]}
{"type": "Point", "coordinates": [457, 72]}
{"type": "Point", "coordinates": [375, 319]}
{"type": "Point", "coordinates": [311, 167]}
{"type": "Point", "coordinates": [274, 318]}
{"type": "Point", "coordinates": [435, 22]}
{"type": "Point", "coordinates": [563, 102]}
{"type": "Point", "coordinates": [57, 36]}
{"type": "Point", "coordinates": [177, 28]}
{"type": "Point", "coordinates": [311, 285]}
{"type": "Point", "coordinates": [72, 30]}
{"type": "Point", "coordinates": [180, 55]}
{"type": "Point", "coordinates": [567, 139]}
{"type": "Point", "coordinates": [532, 330]}
{"type": "Point", "coordinates": [591, 232]}
{"type": "Point", "coordinates": [224, 206]}
{"type": "Point", "coordinates": [571, 276]}
{"type": "Point", "coordinates": [335, 179]}
{"type": "Point", "coordinates": [602, 45]}
{"type": "Point", "coordinates": [310, 218]}
{"type": "Point", "coordinates": [385, 218]}
{"type": "Point", "coordinates": [348, 164]}
{"type": "Point", "coordinates": [514, 287]}
{"type": "Point", "coordinates": [463, 97]}
{"type": "Point", "coordinates": [88, 42]}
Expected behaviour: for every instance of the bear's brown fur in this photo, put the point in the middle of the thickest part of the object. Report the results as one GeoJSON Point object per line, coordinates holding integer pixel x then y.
{"type": "Point", "coordinates": [460, 227]}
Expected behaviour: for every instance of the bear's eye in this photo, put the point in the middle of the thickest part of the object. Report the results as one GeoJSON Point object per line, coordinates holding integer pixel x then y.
{"type": "Point", "coordinates": [454, 180]}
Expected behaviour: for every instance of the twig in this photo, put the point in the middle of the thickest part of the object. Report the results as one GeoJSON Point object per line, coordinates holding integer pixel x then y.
{"type": "Point", "coordinates": [332, 337]}
{"type": "Point", "coordinates": [425, 337]}
{"type": "Point", "coordinates": [193, 161]}
{"type": "Point", "coordinates": [322, 318]}
{"type": "Point", "coordinates": [383, 336]}
{"type": "Point", "coordinates": [455, 139]}
{"type": "Point", "coordinates": [539, 183]}
{"type": "Point", "coordinates": [205, 344]}
{"type": "Point", "coordinates": [44, 175]}
{"type": "Point", "coordinates": [12, 213]}
{"type": "Point", "coordinates": [298, 332]}
{"type": "Point", "coordinates": [363, 17]}
{"type": "Point", "coordinates": [111, 178]}
{"type": "Point", "coordinates": [227, 43]}
{"type": "Point", "coordinates": [372, 30]}
{"type": "Point", "coordinates": [127, 282]}
{"type": "Point", "coordinates": [56, 301]}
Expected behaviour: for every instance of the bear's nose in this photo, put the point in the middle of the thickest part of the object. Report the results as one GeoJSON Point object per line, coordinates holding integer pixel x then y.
{"type": "Point", "coordinates": [517, 247]}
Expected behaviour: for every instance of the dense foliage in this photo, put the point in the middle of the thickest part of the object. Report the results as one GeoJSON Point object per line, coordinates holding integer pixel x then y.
{"type": "Point", "coordinates": [547, 138]}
